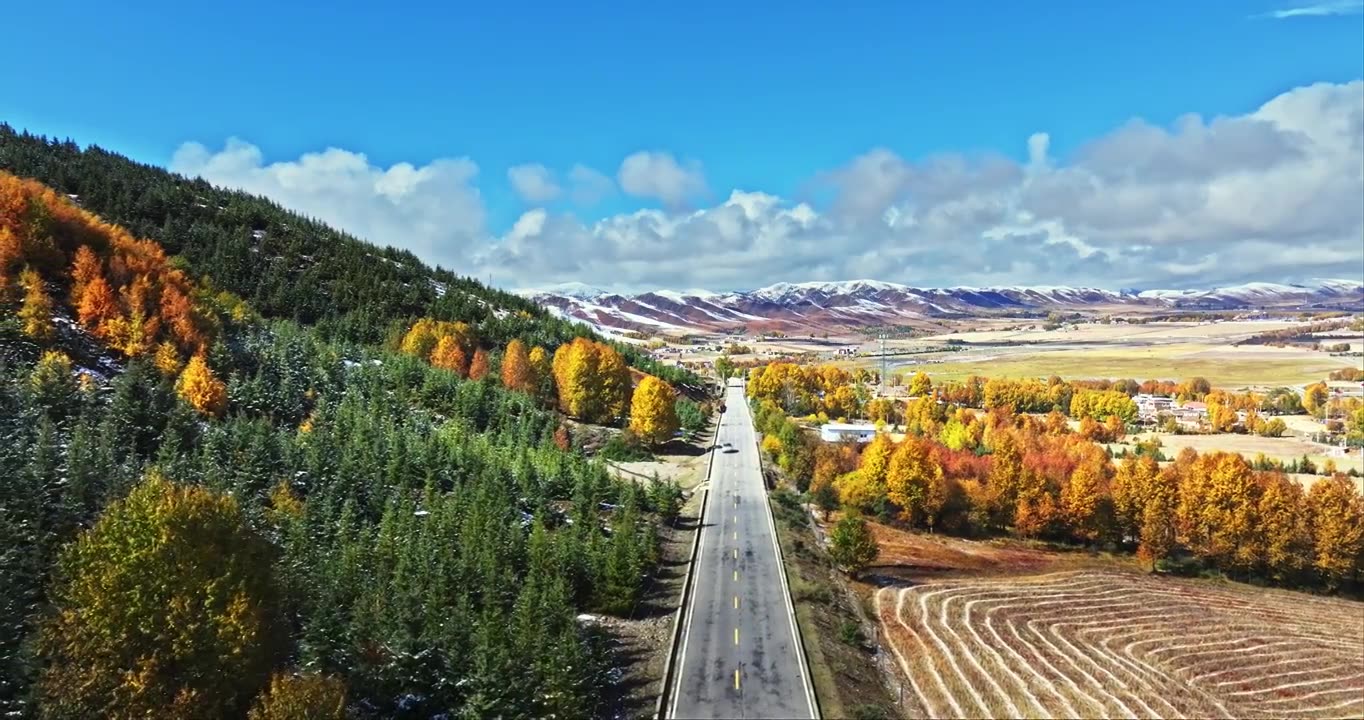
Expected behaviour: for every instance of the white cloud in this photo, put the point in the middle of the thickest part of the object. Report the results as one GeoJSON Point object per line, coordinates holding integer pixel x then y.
{"type": "Point", "coordinates": [658, 175]}
{"type": "Point", "coordinates": [1273, 194]}
{"type": "Point", "coordinates": [589, 186]}
{"type": "Point", "coordinates": [1336, 7]}
{"type": "Point", "coordinates": [533, 182]}
{"type": "Point", "coordinates": [433, 210]}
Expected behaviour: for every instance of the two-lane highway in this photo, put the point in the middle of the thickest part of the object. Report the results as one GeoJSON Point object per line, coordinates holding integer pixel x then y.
{"type": "Point", "coordinates": [740, 655]}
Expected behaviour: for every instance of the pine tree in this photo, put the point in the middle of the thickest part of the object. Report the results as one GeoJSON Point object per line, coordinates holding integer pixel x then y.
{"type": "Point", "coordinates": [852, 544]}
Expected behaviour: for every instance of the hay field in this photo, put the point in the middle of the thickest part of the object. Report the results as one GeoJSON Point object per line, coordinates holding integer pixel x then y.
{"type": "Point", "coordinates": [1117, 644]}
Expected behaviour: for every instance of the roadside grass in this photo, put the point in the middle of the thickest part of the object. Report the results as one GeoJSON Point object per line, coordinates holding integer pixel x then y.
{"type": "Point", "coordinates": [843, 668]}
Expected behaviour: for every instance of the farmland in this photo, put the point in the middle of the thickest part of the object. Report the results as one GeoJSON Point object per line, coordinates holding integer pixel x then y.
{"type": "Point", "coordinates": [1169, 350]}
{"type": "Point", "coordinates": [1111, 643]}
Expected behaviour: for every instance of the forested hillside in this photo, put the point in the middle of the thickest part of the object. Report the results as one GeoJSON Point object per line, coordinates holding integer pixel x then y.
{"type": "Point", "coordinates": [283, 264]}
{"type": "Point", "coordinates": [206, 513]}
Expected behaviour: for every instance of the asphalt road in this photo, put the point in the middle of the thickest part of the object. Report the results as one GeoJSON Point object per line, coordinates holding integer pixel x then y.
{"type": "Point", "coordinates": [739, 656]}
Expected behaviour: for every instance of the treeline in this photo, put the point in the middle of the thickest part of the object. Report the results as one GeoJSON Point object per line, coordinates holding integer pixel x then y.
{"type": "Point", "coordinates": [1002, 473]}
{"type": "Point", "coordinates": [1296, 333]}
{"type": "Point", "coordinates": [286, 265]}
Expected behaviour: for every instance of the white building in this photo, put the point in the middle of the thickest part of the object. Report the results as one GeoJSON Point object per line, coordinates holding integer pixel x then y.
{"type": "Point", "coordinates": [1149, 407]}
{"type": "Point", "coordinates": [834, 432]}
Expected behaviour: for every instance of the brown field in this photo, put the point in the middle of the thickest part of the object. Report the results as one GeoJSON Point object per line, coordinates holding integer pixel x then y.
{"type": "Point", "coordinates": [1249, 446]}
{"type": "Point", "coordinates": [1111, 643]}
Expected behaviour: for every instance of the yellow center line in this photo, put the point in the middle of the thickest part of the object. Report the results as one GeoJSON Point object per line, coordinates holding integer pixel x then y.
{"type": "Point", "coordinates": [736, 679]}
{"type": "Point", "coordinates": [736, 576]}
{"type": "Point", "coordinates": [736, 553]}
{"type": "Point", "coordinates": [736, 636]}
{"type": "Point", "coordinates": [736, 602]}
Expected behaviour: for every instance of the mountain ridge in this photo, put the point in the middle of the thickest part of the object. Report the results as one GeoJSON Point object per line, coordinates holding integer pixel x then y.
{"type": "Point", "coordinates": [851, 304]}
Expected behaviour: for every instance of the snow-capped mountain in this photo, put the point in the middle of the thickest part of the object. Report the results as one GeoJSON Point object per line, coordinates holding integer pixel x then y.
{"type": "Point", "coordinates": [826, 306]}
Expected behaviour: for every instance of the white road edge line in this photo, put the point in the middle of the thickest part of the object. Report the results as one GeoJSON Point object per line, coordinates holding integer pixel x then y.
{"type": "Point", "coordinates": [781, 573]}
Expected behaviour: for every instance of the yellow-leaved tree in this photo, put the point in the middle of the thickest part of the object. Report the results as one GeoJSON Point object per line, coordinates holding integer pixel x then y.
{"type": "Point", "coordinates": [164, 608]}
{"type": "Point", "coordinates": [920, 384]}
{"type": "Point", "coordinates": [592, 380]}
{"type": "Point", "coordinates": [201, 388]}
{"type": "Point", "coordinates": [1335, 513]}
{"type": "Point", "coordinates": [914, 481]}
{"type": "Point", "coordinates": [310, 696]}
{"type": "Point", "coordinates": [543, 372]}
{"type": "Point", "coordinates": [516, 370]}
{"type": "Point", "coordinates": [653, 411]}
{"type": "Point", "coordinates": [167, 358]}
{"type": "Point", "coordinates": [36, 312]}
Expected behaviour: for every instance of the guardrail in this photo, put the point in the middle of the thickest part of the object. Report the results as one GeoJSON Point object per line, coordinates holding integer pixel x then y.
{"type": "Point", "coordinates": [687, 583]}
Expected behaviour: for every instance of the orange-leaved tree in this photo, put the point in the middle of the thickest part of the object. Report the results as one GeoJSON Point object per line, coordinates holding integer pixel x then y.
{"type": "Point", "coordinates": [478, 367]}
{"type": "Point", "coordinates": [448, 355]}
{"type": "Point", "coordinates": [516, 370]}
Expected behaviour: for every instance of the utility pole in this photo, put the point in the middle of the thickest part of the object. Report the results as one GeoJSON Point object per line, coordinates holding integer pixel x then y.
{"type": "Point", "coordinates": [882, 338]}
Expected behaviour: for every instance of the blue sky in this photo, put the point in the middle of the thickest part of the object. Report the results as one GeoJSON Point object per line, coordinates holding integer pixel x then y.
{"type": "Point", "coordinates": [764, 96]}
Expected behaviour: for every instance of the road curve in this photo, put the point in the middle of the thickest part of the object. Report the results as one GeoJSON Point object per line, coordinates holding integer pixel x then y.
{"type": "Point", "coordinates": [739, 654]}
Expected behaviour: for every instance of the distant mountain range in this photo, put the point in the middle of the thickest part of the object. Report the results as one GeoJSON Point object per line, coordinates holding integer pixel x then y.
{"type": "Point", "coordinates": [858, 304]}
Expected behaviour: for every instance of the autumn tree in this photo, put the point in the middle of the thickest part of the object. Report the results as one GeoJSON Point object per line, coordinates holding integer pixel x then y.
{"type": "Point", "coordinates": [1283, 522]}
{"type": "Point", "coordinates": [201, 388]}
{"type": "Point", "coordinates": [516, 369]}
{"type": "Point", "coordinates": [653, 413]}
{"type": "Point", "coordinates": [448, 355]}
{"type": "Point", "coordinates": [165, 608]}
{"type": "Point", "coordinates": [592, 379]}
{"type": "Point", "coordinates": [1132, 486]}
{"type": "Point", "coordinates": [53, 384]}
{"type": "Point", "coordinates": [1085, 503]}
{"type": "Point", "coordinates": [852, 545]}
{"type": "Point", "coordinates": [1335, 513]}
{"type": "Point", "coordinates": [85, 267]}
{"type": "Point", "coordinates": [920, 384]}
{"type": "Point", "coordinates": [36, 312]}
{"type": "Point", "coordinates": [310, 696]}
{"type": "Point", "coordinates": [915, 482]}
{"type": "Point", "coordinates": [11, 253]}
{"type": "Point", "coordinates": [478, 367]}
{"type": "Point", "coordinates": [542, 373]}
{"type": "Point", "coordinates": [97, 306]}
{"type": "Point", "coordinates": [1157, 532]}
{"type": "Point", "coordinates": [167, 359]}
{"type": "Point", "coordinates": [1314, 398]}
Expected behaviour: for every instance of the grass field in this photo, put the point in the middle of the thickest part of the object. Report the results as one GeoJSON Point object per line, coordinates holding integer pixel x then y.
{"type": "Point", "coordinates": [1223, 367]}
{"type": "Point", "coordinates": [1110, 644]}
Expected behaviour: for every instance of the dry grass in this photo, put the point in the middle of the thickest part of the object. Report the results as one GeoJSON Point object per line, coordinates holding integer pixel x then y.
{"type": "Point", "coordinates": [1283, 449]}
{"type": "Point", "coordinates": [1090, 644]}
